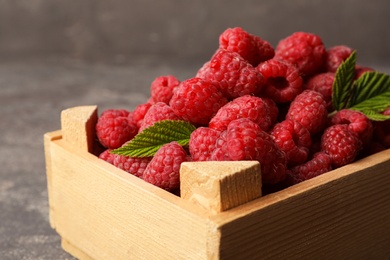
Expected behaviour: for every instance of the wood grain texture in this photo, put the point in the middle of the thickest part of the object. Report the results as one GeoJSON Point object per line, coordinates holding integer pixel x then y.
{"type": "Point", "coordinates": [344, 214]}
{"type": "Point", "coordinates": [102, 212]}
{"type": "Point", "coordinates": [110, 214]}
{"type": "Point", "coordinates": [219, 186]}
{"type": "Point", "coordinates": [78, 126]}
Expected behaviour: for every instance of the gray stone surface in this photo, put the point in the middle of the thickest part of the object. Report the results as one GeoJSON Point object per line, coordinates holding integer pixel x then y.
{"type": "Point", "coordinates": [58, 54]}
{"type": "Point", "coordinates": [32, 95]}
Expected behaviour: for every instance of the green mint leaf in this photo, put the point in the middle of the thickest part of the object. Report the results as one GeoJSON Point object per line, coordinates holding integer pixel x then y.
{"type": "Point", "coordinates": [369, 85]}
{"type": "Point", "coordinates": [372, 95]}
{"type": "Point", "coordinates": [341, 89]}
{"type": "Point", "coordinates": [147, 142]}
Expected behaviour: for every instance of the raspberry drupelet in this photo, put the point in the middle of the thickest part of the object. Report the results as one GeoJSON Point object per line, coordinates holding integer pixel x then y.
{"type": "Point", "coordinates": [282, 80]}
{"type": "Point", "coordinates": [305, 50]}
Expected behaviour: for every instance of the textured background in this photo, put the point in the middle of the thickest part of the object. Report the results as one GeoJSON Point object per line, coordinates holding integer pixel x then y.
{"type": "Point", "coordinates": [117, 30]}
{"type": "Point", "coordinates": [58, 54]}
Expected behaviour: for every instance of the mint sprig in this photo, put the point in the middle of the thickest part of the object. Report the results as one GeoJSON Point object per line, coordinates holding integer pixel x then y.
{"type": "Point", "coordinates": [369, 94]}
{"type": "Point", "coordinates": [147, 142]}
{"type": "Point", "coordinates": [341, 89]}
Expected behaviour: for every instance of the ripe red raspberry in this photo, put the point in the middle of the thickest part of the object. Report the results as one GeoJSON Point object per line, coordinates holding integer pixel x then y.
{"type": "Point", "coordinates": [157, 112]}
{"type": "Point", "coordinates": [164, 168]}
{"type": "Point", "coordinates": [139, 113]}
{"type": "Point", "coordinates": [341, 144]}
{"type": "Point", "coordinates": [305, 50]}
{"type": "Point", "coordinates": [107, 156]}
{"type": "Point", "coordinates": [319, 164]}
{"type": "Point", "coordinates": [323, 84]}
{"type": "Point", "coordinates": [337, 55]}
{"type": "Point", "coordinates": [382, 130]}
{"type": "Point", "coordinates": [220, 152]}
{"type": "Point", "coordinates": [202, 72]}
{"type": "Point", "coordinates": [245, 140]}
{"type": "Point", "coordinates": [254, 108]}
{"type": "Point", "coordinates": [282, 80]}
{"type": "Point", "coordinates": [293, 139]}
{"type": "Point", "coordinates": [132, 165]}
{"type": "Point", "coordinates": [197, 101]}
{"type": "Point", "coordinates": [161, 89]}
{"type": "Point", "coordinates": [114, 128]}
{"type": "Point", "coordinates": [273, 110]}
{"type": "Point", "coordinates": [309, 109]}
{"type": "Point", "coordinates": [252, 48]}
{"type": "Point", "coordinates": [360, 70]}
{"type": "Point", "coordinates": [202, 143]}
{"type": "Point", "coordinates": [233, 75]}
{"type": "Point", "coordinates": [357, 122]}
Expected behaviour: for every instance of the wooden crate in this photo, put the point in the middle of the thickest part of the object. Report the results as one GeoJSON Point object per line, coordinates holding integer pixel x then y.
{"type": "Point", "coordinates": [102, 212]}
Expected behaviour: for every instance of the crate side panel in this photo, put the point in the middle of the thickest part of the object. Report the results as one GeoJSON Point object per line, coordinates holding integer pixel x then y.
{"type": "Point", "coordinates": [112, 216]}
{"type": "Point", "coordinates": [345, 217]}
{"type": "Point", "coordinates": [47, 140]}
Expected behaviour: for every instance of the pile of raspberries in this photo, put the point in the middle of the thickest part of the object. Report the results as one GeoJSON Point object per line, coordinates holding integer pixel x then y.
{"type": "Point", "coordinates": [251, 101]}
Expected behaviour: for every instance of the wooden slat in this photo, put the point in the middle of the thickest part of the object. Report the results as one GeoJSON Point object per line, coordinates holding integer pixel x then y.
{"type": "Point", "coordinates": [110, 214]}
{"type": "Point", "coordinates": [78, 126]}
{"type": "Point", "coordinates": [219, 186]}
{"type": "Point", "coordinates": [344, 214]}
{"type": "Point", "coordinates": [48, 138]}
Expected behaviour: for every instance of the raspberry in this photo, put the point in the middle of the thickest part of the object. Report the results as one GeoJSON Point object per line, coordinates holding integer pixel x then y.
{"type": "Point", "coordinates": [202, 143]}
{"type": "Point", "coordinates": [282, 80]}
{"type": "Point", "coordinates": [337, 55]}
{"type": "Point", "coordinates": [305, 50]}
{"type": "Point", "coordinates": [382, 130]}
{"type": "Point", "coordinates": [322, 83]}
{"type": "Point", "coordinates": [273, 110]}
{"type": "Point", "coordinates": [114, 128]}
{"type": "Point", "coordinates": [132, 165]}
{"type": "Point", "coordinates": [341, 144]}
{"type": "Point", "coordinates": [246, 141]}
{"type": "Point", "coordinates": [197, 101]}
{"type": "Point", "coordinates": [250, 47]}
{"type": "Point", "coordinates": [360, 70]}
{"type": "Point", "coordinates": [254, 108]}
{"type": "Point", "coordinates": [202, 72]}
{"type": "Point", "coordinates": [293, 139]}
{"type": "Point", "coordinates": [157, 112]}
{"type": "Point", "coordinates": [233, 75]}
{"type": "Point", "coordinates": [107, 156]}
{"type": "Point", "coordinates": [164, 168]}
{"type": "Point", "coordinates": [319, 164]}
{"type": "Point", "coordinates": [220, 152]}
{"type": "Point", "coordinates": [309, 109]}
{"type": "Point", "coordinates": [357, 122]}
{"type": "Point", "coordinates": [139, 113]}
{"type": "Point", "coordinates": [161, 89]}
